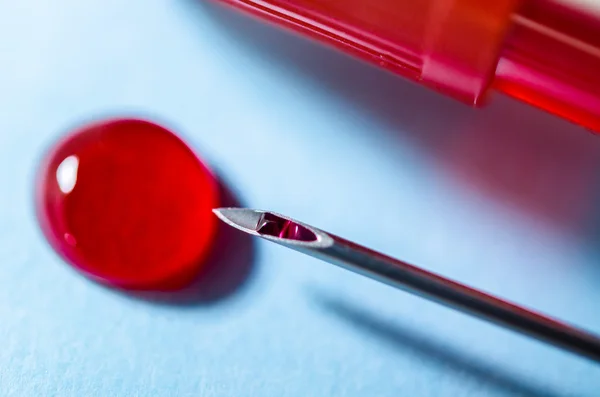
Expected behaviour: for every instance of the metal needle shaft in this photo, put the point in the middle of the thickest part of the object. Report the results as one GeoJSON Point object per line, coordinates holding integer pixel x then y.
{"type": "Point", "coordinates": [333, 249]}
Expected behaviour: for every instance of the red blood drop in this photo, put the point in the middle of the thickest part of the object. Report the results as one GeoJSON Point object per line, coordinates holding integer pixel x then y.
{"type": "Point", "coordinates": [127, 203]}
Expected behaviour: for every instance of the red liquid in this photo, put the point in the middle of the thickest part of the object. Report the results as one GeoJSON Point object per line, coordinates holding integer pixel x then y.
{"type": "Point", "coordinates": [127, 203]}
{"type": "Point", "coordinates": [273, 225]}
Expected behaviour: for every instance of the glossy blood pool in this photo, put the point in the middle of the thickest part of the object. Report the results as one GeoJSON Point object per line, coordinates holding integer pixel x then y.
{"type": "Point", "coordinates": [127, 203]}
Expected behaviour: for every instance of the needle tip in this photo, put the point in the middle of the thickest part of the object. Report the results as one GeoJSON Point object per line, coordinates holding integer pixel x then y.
{"type": "Point", "coordinates": [219, 213]}
{"type": "Point", "coordinates": [267, 225]}
{"type": "Point", "coordinates": [241, 218]}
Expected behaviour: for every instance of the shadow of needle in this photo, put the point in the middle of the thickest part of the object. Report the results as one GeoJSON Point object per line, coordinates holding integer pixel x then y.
{"type": "Point", "coordinates": [406, 340]}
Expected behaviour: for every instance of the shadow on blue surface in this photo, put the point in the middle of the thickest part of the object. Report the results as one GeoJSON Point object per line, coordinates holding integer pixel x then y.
{"type": "Point", "coordinates": [406, 340]}
{"type": "Point", "coordinates": [511, 153]}
{"type": "Point", "coordinates": [228, 269]}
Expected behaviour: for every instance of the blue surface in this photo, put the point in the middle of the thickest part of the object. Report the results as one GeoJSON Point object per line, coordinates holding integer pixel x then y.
{"type": "Point", "coordinates": [505, 199]}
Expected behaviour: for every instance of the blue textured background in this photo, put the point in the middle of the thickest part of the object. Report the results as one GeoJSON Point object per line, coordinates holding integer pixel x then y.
{"type": "Point", "coordinates": [506, 199]}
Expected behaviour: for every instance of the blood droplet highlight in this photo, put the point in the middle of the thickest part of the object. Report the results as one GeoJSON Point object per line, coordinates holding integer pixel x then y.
{"type": "Point", "coordinates": [128, 203]}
